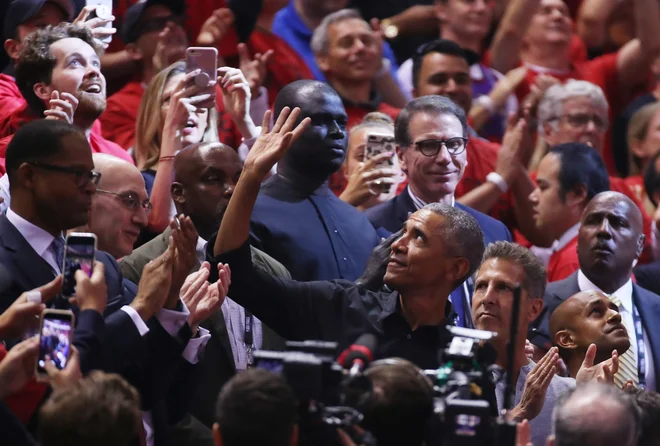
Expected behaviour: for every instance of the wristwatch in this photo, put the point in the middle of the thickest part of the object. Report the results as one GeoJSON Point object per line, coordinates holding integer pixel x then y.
{"type": "Point", "coordinates": [390, 30]}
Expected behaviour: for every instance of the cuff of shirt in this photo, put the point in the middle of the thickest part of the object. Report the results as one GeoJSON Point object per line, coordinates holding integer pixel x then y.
{"type": "Point", "coordinates": [195, 347]}
{"type": "Point", "coordinates": [172, 320]}
{"type": "Point", "coordinates": [259, 105]}
{"type": "Point", "coordinates": [137, 320]}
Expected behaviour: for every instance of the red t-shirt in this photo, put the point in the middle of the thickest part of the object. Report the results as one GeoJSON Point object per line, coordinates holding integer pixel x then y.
{"type": "Point", "coordinates": [563, 263]}
{"type": "Point", "coordinates": [636, 184]}
{"type": "Point", "coordinates": [11, 100]}
{"type": "Point", "coordinates": [121, 113]}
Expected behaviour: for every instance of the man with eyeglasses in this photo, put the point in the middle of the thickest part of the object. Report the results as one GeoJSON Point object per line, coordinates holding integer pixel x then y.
{"type": "Point", "coordinates": [431, 137]}
{"type": "Point", "coordinates": [119, 207]}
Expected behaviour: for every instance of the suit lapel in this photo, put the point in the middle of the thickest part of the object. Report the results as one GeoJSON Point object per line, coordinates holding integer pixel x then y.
{"type": "Point", "coordinates": [216, 323]}
{"type": "Point", "coordinates": [648, 305]}
{"type": "Point", "coordinates": [403, 205]}
{"type": "Point", "coordinates": [32, 270]}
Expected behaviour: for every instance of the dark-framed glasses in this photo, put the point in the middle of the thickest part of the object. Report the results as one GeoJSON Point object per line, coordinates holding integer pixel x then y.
{"type": "Point", "coordinates": [130, 200]}
{"type": "Point", "coordinates": [82, 177]}
{"type": "Point", "coordinates": [581, 120]}
{"type": "Point", "coordinates": [431, 147]}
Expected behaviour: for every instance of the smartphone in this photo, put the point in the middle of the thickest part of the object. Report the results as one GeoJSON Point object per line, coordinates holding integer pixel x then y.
{"type": "Point", "coordinates": [103, 10]}
{"type": "Point", "coordinates": [79, 253]}
{"type": "Point", "coordinates": [206, 60]}
{"type": "Point", "coordinates": [55, 334]}
{"type": "Point", "coordinates": [378, 143]}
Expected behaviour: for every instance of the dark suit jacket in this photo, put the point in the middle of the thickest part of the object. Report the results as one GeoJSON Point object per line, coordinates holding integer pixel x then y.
{"type": "Point", "coordinates": [648, 276]}
{"type": "Point", "coordinates": [392, 214]}
{"type": "Point", "coordinates": [217, 366]}
{"type": "Point", "coordinates": [647, 303]}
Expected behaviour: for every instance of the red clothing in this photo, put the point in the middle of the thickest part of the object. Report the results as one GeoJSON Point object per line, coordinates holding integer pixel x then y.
{"type": "Point", "coordinates": [121, 113]}
{"type": "Point", "coordinates": [636, 184]}
{"type": "Point", "coordinates": [563, 263]}
{"type": "Point", "coordinates": [25, 403]}
{"type": "Point", "coordinates": [11, 100]}
{"type": "Point", "coordinates": [96, 142]}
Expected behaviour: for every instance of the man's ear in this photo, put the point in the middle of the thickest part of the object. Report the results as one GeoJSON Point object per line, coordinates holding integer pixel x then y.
{"type": "Point", "coordinates": [534, 308]}
{"type": "Point", "coordinates": [216, 434]}
{"type": "Point", "coordinates": [577, 196]}
{"type": "Point", "coordinates": [178, 194]}
{"type": "Point", "coordinates": [402, 161]}
{"type": "Point", "coordinates": [548, 134]}
{"type": "Point", "coordinates": [12, 48]}
{"type": "Point", "coordinates": [25, 176]}
{"type": "Point", "coordinates": [440, 10]}
{"type": "Point", "coordinates": [42, 91]}
{"type": "Point", "coordinates": [460, 268]}
{"type": "Point", "coordinates": [323, 63]}
{"type": "Point", "coordinates": [640, 245]}
{"type": "Point", "coordinates": [564, 339]}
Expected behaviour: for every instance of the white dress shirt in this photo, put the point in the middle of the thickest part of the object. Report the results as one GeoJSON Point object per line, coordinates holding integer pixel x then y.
{"type": "Point", "coordinates": [625, 296]}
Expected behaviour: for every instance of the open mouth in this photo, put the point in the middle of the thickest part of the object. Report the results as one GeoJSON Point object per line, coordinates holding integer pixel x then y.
{"type": "Point", "coordinates": [190, 124]}
{"type": "Point", "coordinates": [93, 89]}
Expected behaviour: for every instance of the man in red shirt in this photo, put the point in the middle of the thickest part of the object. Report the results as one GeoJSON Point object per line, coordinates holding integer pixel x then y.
{"type": "Point", "coordinates": [63, 59]}
{"type": "Point", "coordinates": [545, 49]}
{"type": "Point", "coordinates": [568, 177]}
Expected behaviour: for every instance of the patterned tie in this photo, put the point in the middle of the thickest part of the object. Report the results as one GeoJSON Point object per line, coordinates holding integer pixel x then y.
{"type": "Point", "coordinates": [57, 247]}
{"type": "Point", "coordinates": [628, 361]}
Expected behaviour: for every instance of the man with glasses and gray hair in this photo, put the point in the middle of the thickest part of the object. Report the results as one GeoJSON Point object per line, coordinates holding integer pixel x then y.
{"type": "Point", "coordinates": [431, 139]}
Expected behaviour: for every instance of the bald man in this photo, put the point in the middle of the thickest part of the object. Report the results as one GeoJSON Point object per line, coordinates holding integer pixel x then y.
{"type": "Point", "coordinates": [610, 241]}
{"type": "Point", "coordinates": [119, 207]}
{"type": "Point", "coordinates": [586, 318]}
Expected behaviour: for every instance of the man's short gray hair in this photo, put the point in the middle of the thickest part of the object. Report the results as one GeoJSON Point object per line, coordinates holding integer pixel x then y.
{"type": "Point", "coordinates": [535, 277]}
{"type": "Point", "coordinates": [551, 106]}
{"type": "Point", "coordinates": [461, 234]}
{"type": "Point", "coordinates": [597, 415]}
{"type": "Point", "coordinates": [320, 43]}
{"type": "Point", "coordinates": [432, 105]}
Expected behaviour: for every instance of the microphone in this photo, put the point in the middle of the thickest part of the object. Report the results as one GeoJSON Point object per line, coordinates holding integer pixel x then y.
{"type": "Point", "coordinates": [357, 357]}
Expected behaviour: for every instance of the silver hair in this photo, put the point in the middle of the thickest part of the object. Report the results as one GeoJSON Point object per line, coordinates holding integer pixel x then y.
{"type": "Point", "coordinates": [320, 42]}
{"type": "Point", "coordinates": [551, 106]}
{"type": "Point", "coordinates": [535, 275]}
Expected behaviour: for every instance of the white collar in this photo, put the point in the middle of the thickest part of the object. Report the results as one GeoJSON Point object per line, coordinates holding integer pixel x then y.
{"type": "Point", "coordinates": [566, 237]}
{"type": "Point", "coordinates": [419, 203]}
{"type": "Point", "coordinates": [36, 237]}
{"type": "Point", "coordinates": [624, 293]}
{"type": "Point", "coordinates": [200, 249]}
{"type": "Point", "coordinates": [476, 72]}
{"type": "Point", "coordinates": [545, 70]}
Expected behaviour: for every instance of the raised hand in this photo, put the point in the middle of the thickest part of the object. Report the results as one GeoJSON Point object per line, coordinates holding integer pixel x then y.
{"type": "Point", "coordinates": [61, 107]}
{"type": "Point", "coordinates": [91, 292]}
{"type": "Point", "coordinates": [255, 70]}
{"type": "Point", "coordinates": [602, 372]}
{"type": "Point", "coordinates": [272, 144]}
{"type": "Point", "coordinates": [536, 386]}
{"type": "Point", "coordinates": [509, 158]}
{"type": "Point", "coordinates": [24, 314]}
{"type": "Point", "coordinates": [372, 278]}
{"type": "Point", "coordinates": [170, 47]}
{"type": "Point", "coordinates": [69, 375]}
{"type": "Point", "coordinates": [236, 96]}
{"type": "Point", "coordinates": [202, 298]}
{"type": "Point", "coordinates": [367, 179]}
{"type": "Point", "coordinates": [216, 27]}
{"type": "Point", "coordinates": [155, 283]}
{"type": "Point", "coordinates": [185, 256]}
{"type": "Point", "coordinates": [18, 366]}
{"type": "Point", "coordinates": [96, 25]}
{"type": "Point", "coordinates": [523, 434]}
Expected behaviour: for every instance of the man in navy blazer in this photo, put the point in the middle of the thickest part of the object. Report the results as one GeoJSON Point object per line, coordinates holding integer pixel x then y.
{"type": "Point", "coordinates": [431, 137]}
{"type": "Point", "coordinates": [609, 241]}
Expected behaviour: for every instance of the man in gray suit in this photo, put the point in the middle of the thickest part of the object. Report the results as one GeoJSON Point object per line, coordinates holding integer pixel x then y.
{"type": "Point", "coordinates": [205, 175]}
{"type": "Point", "coordinates": [610, 241]}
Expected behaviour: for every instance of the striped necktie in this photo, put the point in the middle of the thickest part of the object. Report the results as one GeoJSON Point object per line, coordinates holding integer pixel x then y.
{"type": "Point", "coordinates": [57, 247]}
{"type": "Point", "coordinates": [628, 361]}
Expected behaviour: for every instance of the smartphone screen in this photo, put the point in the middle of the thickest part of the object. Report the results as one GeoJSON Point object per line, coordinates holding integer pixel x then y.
{"type": "Point", "coordinates": [206, 60]}
{"type": "Point", "coordinates": [79, 253]}
{"type": "Point", "coordinates": [103, 10]}
{"type": "Point", "coordinates": [55, 339]}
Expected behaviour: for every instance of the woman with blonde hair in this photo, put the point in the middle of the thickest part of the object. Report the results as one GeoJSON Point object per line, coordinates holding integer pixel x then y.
{"type": "Point", "coordinates": [643, 143]}
{"type": "Point", "coordinates": [171, 117]}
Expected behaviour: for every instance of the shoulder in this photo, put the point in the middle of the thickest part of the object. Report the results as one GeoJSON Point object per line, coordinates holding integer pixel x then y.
{"type": "Point", "coordinates": [268, 264]}
{"type": "Point", "coordinates": [492, 228]}
{"type": "Point", "coordinates": [381, 211]}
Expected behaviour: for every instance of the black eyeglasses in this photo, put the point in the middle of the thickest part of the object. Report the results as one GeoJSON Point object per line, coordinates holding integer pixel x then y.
{"type": "Point", "coordinates": [130, 200]}
{"type": "Point", "coordinates": [82, 176]}
{"type": "Point", "coordinates": [431, 147]}
{"type": "Point", "coordinates": [581, 120]}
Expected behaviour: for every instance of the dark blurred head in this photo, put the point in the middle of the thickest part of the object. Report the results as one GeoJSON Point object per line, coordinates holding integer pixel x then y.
{"type": "Point", "coordinates": [205, 175]}
{"type": "Point", "coordinates": [648, 405]}
{"type": "Point", "coordinates": [256, 408]}
{"type": "Point", "coordinates": [321, 149]}
{"type": "Point", "coordinates": [568, 176]}
{"type": "Point", "coordinates": [652, 179]}
{"type": "Point", "coordinates": [49, 164]}
{"type": "Point", "coordinates": [101, 410]}
{"type": "Point", "coordinates": [401, 404]}
{"type": "Point", "coordinates": [441, 67]}
{"type": "Point", "coordinates": [610, 239]}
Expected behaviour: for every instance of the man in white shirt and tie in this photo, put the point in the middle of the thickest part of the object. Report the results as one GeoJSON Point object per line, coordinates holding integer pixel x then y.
{"type": "Point", "coordinates": [610, 241]}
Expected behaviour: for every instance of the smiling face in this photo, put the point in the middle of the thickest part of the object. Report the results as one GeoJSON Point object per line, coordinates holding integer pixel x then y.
{"type": "Point", "coordinates": [551, 24]}
{"type": "Point", "coordinates": [197, 121]}
{"type": "Point", "coordinates": [492, 302]}
{"type": "Point", "coordinates": [432, 177]}
{"type": "Point", "coordinates": [77, 71]}
{"type": "Point", "coordinates": [469, 18]}
{"type": "Point", "coordinates": [445, 75]}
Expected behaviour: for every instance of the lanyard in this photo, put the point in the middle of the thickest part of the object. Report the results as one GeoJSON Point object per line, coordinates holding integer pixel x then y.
{"type": "Point", "coordinates": [248, 339]}
{"type": "Point", "coordinates": [641, 354]}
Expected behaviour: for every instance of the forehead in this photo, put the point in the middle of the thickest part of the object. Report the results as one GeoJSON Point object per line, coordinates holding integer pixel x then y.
{"type": "Point", "coordinates": [75, 150]}
{"type": "Point", "coordinates": [549, 167]}
{"type": "Point", "coordinates": [348, 27]}
{"type": "Point", "coordinates": [317, 100]}
{"type": "Point", "coordinates": [219, 158]}
{"type": "Point", "coordinates": [427, 221]}
{"type": "Point", "coordinates": [423, 124]}
{"type": "Point", "coordinates": [70, 45]}
{"type": "Point", "coordinates": [608, 206]}
{"type": "Point", "coordinates": [155, 11]}
{"type": "Point", "coordinates": [499, 269]}
{"type": "Point", "coordinates": [582, 300]}
{"type": "Point", "coordinates": [437, 63]}
{"type": "Point", "coordinates": [582, 103]}
{"type": "Point", "coordinates": [121, 177]}
{"type": "Point", "coordinates": [172, 82]}
{"type": "Point", "coordinates": [559, 4]}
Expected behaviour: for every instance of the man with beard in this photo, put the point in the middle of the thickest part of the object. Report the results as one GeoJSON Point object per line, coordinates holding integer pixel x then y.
{"type": "Point", "coordinates": [610, 240]}
{"type": "Point", "coordinates": [205, 175]}
{"type": "Point", "coordinates": [59, 75]}
{"type": "Point", "coordinates": [297, 219]}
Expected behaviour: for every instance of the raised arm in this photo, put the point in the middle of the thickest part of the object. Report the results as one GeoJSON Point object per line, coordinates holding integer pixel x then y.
{"type": "Point", "coordinates": [506, 46]}
{"type": "Point", "coordinates": [635, 58]}
{"type": "Point", "coordinates": [591, 24]}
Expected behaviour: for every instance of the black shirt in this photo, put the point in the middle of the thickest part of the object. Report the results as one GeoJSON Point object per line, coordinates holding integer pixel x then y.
{"type": "Point", "coordinates": [336, 310]}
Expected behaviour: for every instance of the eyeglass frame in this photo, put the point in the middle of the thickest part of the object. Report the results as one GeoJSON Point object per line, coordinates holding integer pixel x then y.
{"type": "Point", "coordinates": [442, 142]}
{"type": "Point", "coordinates": [568, 117]}
{"type": "Point", "coordinates": [144, 204]}
{"type": "Point", "coordinates": [92, 176]}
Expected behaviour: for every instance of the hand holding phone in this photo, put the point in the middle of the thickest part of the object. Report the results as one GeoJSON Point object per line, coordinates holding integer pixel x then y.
{"type": "Point", "coordinates": [79, 253]}
{"type": "Point", "coordinates": [98, 20]}
{"type": "Point", "coordinates": [55, 338]}
{"type": "Point", "coordinates": [206, 60]}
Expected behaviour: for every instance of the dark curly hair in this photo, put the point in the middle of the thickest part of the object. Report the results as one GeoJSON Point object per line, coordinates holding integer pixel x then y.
{"type": "Point", "coordinates": [36, 62]}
